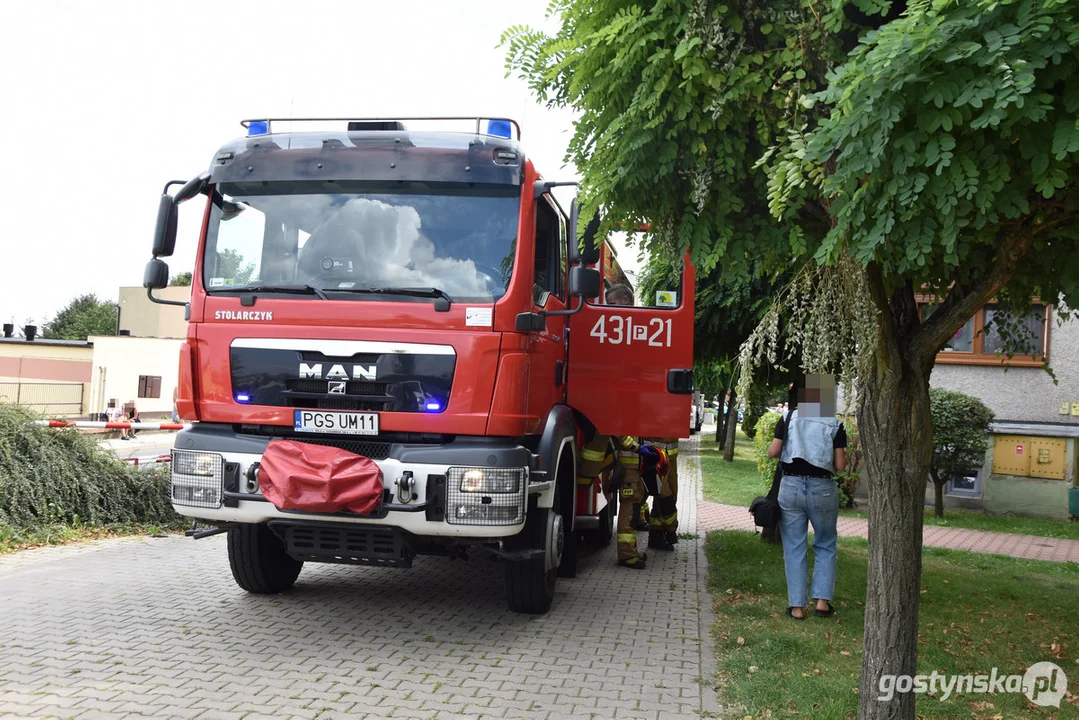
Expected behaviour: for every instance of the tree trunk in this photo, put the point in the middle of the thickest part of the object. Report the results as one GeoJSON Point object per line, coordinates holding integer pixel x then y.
{"type": "Point", "coordinates": [732, 427]}
{"type": "Point", "coordinates": [938, 487]}
{"type": "Point", "coordinates": [896, 427]}
{"type": "Point", "coordinates": [721, 418]}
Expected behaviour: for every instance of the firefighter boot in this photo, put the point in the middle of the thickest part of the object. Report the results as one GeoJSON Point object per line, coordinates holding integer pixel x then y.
{"type": "Point", "coordinates": [642, 517]}
{"type": "Point", "coordinates": [657, 540]}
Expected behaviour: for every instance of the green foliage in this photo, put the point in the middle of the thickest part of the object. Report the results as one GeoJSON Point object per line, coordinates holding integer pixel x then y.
{"type": "Point", "coordinates": [757, 405]}
{"type": "Point", "coordinates": [848, 479]}
{"type": "Point", "coordinates": [711, 378]}
{"type": "Point", "coordinates": [83, 316]}
{"type": "Point", "coordinates": [181, 280]}
{"type": "Point", "coordinates": [678, 100]}
{"type": "Point", "coordinates": [230, 264]}
{"type": "Point", "coordinates": [960, 432]}
{"type": "Point", "coordinates": [950, 129]}
{"type": "Point", "coordinates": [764, 433]}
{"type": "Point", "coordinates": [50, 477]}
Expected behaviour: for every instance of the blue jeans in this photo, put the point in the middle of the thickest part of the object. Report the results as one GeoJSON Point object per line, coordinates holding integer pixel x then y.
{"type": "Point", "coordinates": [815, 500]}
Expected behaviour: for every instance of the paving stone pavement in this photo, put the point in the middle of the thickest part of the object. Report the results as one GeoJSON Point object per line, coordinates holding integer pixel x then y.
{"type": "Point", "coordinates": [717, 516]}
{"type": "Point", "coordinates": [155, 627]}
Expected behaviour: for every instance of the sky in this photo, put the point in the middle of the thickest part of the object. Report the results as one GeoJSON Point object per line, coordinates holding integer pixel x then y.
{"type": "Point", "coordinates": [106, 101]}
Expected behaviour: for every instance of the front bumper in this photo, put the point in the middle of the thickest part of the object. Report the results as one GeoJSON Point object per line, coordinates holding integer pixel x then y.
{"type": "Point", "coordinates": [421, 511]}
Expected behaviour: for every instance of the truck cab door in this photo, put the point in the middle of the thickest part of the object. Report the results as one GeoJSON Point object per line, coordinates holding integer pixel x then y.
{"type": "Point", "coordinates": [630, 367]}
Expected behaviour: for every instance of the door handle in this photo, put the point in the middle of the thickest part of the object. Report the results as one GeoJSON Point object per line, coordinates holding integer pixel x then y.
{"type": "Point", "coordinates": [680, 381]}
{"type": "Point", "coordinates": [559, 372]}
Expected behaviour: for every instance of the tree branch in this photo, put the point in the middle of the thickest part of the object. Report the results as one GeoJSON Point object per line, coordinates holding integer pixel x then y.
{"type": "Point", "coordinates": [960, 304]}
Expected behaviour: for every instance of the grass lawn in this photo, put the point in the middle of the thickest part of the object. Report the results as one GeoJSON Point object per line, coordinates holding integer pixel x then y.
{"type": "Point", "coordinates": [12, 540]}
{"type": "Point", "coordinates": [739, 482]}
{"type": "Point", "coordinates": [734, 483]}
{"type": "Point", "coordinates": [977, 612]}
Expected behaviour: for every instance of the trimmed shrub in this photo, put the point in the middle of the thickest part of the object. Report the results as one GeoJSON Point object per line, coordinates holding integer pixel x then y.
{"type": "Point", "coordinates": [960, 437]}
{"type": "Point", "coordinates": [50, 476]}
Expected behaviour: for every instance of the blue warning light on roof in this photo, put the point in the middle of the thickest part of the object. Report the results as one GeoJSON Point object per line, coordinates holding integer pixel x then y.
{"type": "Point", "coordinates": [258, 127]}
{"type": "Point", "coordinates": [501, 128]}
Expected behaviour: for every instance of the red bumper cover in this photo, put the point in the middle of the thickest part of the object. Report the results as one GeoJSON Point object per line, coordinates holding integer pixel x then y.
{"type": "Point", "coordinates": [319, 479]}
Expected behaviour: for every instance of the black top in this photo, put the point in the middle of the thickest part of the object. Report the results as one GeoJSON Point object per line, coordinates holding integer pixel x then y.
{"type": "Point", "coordinates": [799, 466]}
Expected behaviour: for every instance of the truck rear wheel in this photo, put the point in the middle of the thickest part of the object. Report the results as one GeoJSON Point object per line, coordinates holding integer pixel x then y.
{"type": "Point", "coordinates": [258, 560]}
{"type": "Point", "coordinates": [605, 532]}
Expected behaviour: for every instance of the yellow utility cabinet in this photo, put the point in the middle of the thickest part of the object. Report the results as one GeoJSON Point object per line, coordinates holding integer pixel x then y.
{"type": "Point", "coordinates": [1029, 456]}
{"type": "Point", "coordinates": [1047, 457]}
{"type": "Point", "coordinates": [1011, 455]}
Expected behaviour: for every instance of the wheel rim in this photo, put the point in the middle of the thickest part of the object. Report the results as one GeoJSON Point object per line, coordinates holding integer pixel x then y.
{"type": "Point", "coordinates": [555, 540]}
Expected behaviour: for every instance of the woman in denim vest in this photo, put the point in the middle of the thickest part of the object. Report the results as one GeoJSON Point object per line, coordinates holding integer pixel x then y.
{"type": "Point", "coordinates": [810, 444]}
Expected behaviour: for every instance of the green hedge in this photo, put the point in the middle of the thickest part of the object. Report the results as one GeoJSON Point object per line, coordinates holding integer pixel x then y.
{"type": "Point", "coordinates": [50, 476]}
{"type": "Point", "coordinates": [765, 431]}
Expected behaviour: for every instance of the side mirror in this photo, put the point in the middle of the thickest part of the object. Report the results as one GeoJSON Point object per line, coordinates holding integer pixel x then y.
{"type": "Point", "coordinates": [531, 322]}
{"type": "Point", "coordinates": [156, 275]}
{"type": "Point", "coordinates": [192, 187]}
{"type": "Point", "coordinates": [584, 282]}
{"type": "Point", "coordinates": [165, 231]}
{"type": "Point", "coordinates": [584, 250]}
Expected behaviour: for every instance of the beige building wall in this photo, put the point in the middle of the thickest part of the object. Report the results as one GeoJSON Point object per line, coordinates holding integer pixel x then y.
{"type": "Point", "coordinates": [119, 361]}
{"type": "Point", "coordinates": [142, 317]}
{"type": "Point", "coordinates": [25, 367]}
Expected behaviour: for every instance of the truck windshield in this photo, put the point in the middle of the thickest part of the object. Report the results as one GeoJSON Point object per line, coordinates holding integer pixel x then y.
{"type": "Point", "coordinates": [461, 243]}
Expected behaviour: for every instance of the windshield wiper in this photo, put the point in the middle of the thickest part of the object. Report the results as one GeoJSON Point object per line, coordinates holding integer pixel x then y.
{"type": "Point", "coordinates": [429, 292]}
{"type": "Point", "coordinates": [303, 289]}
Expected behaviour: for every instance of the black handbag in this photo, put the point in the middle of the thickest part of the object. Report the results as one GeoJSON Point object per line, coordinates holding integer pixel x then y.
{"type": "Point", "coordinates": [765, 510]}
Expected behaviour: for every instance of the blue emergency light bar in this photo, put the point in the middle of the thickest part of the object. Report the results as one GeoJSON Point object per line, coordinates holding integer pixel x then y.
{"type": "Point", "coordinates": [499, 127]}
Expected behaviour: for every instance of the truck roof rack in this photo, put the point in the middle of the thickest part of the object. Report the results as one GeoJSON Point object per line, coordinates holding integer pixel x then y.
{"type": "Point", "coordinates": [471, 118]}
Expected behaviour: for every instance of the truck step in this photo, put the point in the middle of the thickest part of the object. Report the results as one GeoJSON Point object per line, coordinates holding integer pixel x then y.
{"type": "Point", "coordinates": [345, 544]}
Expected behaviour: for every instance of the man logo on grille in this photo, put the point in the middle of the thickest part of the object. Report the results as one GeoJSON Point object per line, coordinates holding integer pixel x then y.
{"type": "Point", "coordinates": [337, 387]}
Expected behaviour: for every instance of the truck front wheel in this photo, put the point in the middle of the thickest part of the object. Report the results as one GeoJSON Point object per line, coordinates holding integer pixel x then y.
{"type": "Point", "coordinates": [258, 560]}
{"type": "Point", "coordinates": [530, 582]}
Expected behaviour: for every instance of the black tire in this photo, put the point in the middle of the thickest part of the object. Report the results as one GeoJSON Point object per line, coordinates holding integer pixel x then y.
{"type": "Point", "coordinates": [529, 585]}
{"type": "Point", "coordinates": [258, 560]}
{"type": "Point", "coordinates": [607, 522]}
{"type": "Point", "coordinates": [564, 503]}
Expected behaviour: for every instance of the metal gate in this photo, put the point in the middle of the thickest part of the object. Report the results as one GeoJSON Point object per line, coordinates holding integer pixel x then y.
{"type": "Point", "coordinates": [46, 398]}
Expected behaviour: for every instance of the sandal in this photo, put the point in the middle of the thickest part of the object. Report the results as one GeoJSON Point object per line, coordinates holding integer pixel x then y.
{"type": "Point", "coordinates": [791, 615]}
{"type": "Point", "coordinates": [825, 613]}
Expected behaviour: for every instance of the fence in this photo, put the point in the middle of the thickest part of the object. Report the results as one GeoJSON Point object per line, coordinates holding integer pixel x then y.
{"type": "Point", "coordinates": [46, 398]}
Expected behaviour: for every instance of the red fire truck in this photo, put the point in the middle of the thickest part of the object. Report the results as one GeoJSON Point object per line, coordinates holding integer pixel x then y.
{"type": "Point", "coordinates": [411, 303]}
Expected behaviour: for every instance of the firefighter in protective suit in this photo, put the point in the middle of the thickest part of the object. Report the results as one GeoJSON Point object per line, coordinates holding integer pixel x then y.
{"type": "Point", "coordinates": [663, 522]}
{"type": "Point", "coordinates": [631, 493]}
{"type": "Point", "coordinates": [594, 457]}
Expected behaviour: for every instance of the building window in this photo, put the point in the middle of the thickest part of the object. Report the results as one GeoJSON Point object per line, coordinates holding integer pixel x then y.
{"type": "Point", "coordinates": [980, 342]}
{"type": "Point", "coordinates": [149, 386]}
{"type": "Point", "coordinates": [969, 485]}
